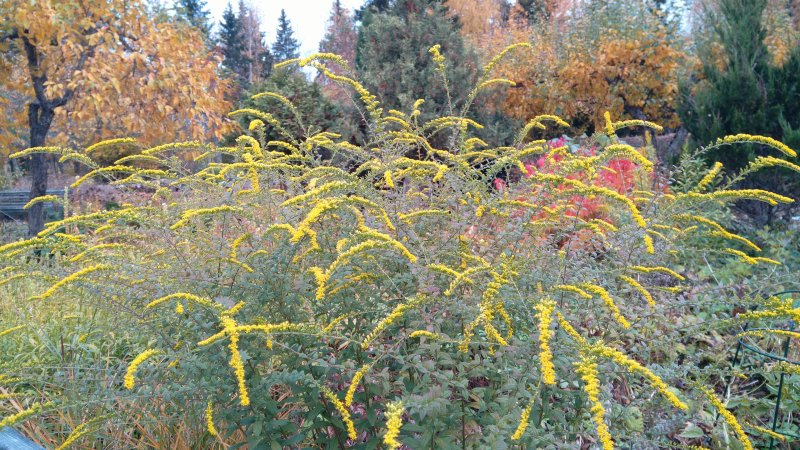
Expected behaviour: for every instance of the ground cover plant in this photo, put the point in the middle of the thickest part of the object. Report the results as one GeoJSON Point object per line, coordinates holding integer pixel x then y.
{"type": "Point", "coordinates": [308, 292]}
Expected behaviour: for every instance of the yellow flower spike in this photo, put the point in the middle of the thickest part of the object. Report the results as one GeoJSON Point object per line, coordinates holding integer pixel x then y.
{"type": "Point", "coordinates": [604, 295]}
{"type": "Point", "coordinates": [709, 177]}
{"type": "Point", "coordinates": [635, 367]}
{"type": "Point", "coordinates": [387, 176]}
{"type": "Point", "coordinates": [179, 308]}
{"type": "Point", "coordinates": [729, 418]}
{"type": "Point", "coordinates": [43, 199]}
{"type": "Point", "coordinates": [229, 328]}
{"type": "Point", "coordinates": [182, 296]}
{"type": "Point", "coordinates": [393, 317]}
{"type": "Point", "coordinates": [610, 131]}
{"type": "Point", "coordinates": [494, 61]}
{"type": "Point", "coordinates": [648, 244]}
{"type": "Point", "coordinates": [108, 143]}
{"type": "Point", "coordinates": [394, 420]}
{"type": "Point", "coordinates": [351, 390]}
{"type": "Point", "coordinates": [22, 415]}
{"type": "Point", "coordinates": [587, 369]}
{"type": "Point", "coordinates": [573, 289]}
{"type": "Point", "coordinates": [343, 411]}
{"type": "Point", "coordinates": [255, 124]}
{"type": "Point", "coordinates": [755, 139]}
{"type": "Point", "coordinates": [659, 269]}
{"type": "Point", "coordinates": [130, 374]}
{"type": "Point", "coordinates": [70, 278]}
{"type": "Point", "coordinates": [523, 422]}
{"type": "Point", "coordinates": [210, 420]}
{"type": "Point", "coordinates": [11, 330]}
{"type": "Point", "coordinates": [562, 322]}
{"type": "Point", "coordinates": [425, 334]}
{"type": "Point", "coordinates": [255, 146]}
{"type": "Point", "coordinates": [544, 314]}
{"type": "Point", "coordinates": [186, 216]}
{"type": "Point", "coordinates": [749, 259]}
{"type": "Point", "coordinates": [638, 123]}
{"type": "Point", "coordinates": [639, 288]}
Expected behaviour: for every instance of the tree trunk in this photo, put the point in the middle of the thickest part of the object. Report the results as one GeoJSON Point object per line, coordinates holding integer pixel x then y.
{"type": "Point", "coordinates": [39, 120]}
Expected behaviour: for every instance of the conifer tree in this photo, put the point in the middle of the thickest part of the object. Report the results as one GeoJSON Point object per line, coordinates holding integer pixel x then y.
{"type": "Point", "coordinates": [243, 48]}
{"type": "Point", "coordinates": [392, 54]}
{"type": "Point", "coordinates": [285, 46]}
{"type": "Point", "coordinates": [231, 41]}
{"type": "Point", "coordinates": [194, 12]}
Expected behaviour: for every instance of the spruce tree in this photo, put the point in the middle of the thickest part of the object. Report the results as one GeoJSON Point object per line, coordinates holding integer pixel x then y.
{"type": "Point", "coordinates": [232, 43]}
{"type": "Point", "coordinates": [285, 46]}
{"type": "Point", "coordinates": [743, 93]}
{"type": "Point", "coordinates": [194, 12]}
{"type": "Point", "coordinates": [733, 98]}
{"type": "Point", "coordinates": [393, 60]}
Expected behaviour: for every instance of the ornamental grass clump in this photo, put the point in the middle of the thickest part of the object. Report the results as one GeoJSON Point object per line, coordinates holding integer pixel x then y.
{"type": "Point", "coordinates": [312, 291]}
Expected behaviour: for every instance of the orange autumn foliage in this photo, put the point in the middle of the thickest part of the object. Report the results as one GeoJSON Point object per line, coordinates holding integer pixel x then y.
{"type": "Point", "coordinates": [120, 70]}
{"type": "Point", "coordinates": [632, 71]}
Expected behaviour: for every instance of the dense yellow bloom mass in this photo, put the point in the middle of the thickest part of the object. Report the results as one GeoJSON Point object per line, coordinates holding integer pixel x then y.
{"type": "Point", "coordinates": [394, 420]}
{"type": "Point", "coordinates": [544, 315]}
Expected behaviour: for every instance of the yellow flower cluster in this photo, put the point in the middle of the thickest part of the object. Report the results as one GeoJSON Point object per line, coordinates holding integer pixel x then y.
{"type": "Point", "coordinates": [755, 139]}
{"type": "Point", "coordinates": [636, 285]}
{"type": "Point", "coordinates": [606, 297]}
{"type": "Point", "coordinates": [729, 418]}
{"type": "Point", "coordinates": [348, 398]}
{"type": "Point", "coordinates": [70, 278]}
{"type": "Point", "coordinates": [544, 314]}
{"type": "Point", "coordinates": [709, 177]}
{"type": "Point", "coordinates": [633, 366]}
{"type": "Point", "coordinates": [186, 216]}
{"type": "Point", "coordinates": [425, 334]}
{"type": "Point", "coordinates": [660, 269]}
{"type": "Point", "coordinates": [749, 259]}
{"type": "Point", "coordinates": [11, 330]}
{"type": "Point", "coordinates": [524, 420]}
{"type": "Point", "coordinates": [22, 415]}
{"type": "Point", "coordinates": [130, 374]}
{"type": "Point", "coordinates": [394, 420]}
{"type": "Point", "coordinates": [587, 369]}
{"type": "Point", "coordinates": [343, 411]}
{"type": "Point", "coordinates": [210, 420]}
{"type": "Point", "coordinates": [387, 321]}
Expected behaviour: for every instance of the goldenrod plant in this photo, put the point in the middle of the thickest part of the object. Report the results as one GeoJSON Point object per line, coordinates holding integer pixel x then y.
{"type": "Point", "coordinates": [392, 292]}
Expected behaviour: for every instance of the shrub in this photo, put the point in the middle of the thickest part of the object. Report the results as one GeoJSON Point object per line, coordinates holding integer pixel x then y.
{"type": "Point", "coordinates": [386, 294]}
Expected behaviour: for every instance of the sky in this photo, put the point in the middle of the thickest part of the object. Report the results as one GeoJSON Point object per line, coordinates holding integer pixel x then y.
{"type": "Point", "coordinates": [308, 18]}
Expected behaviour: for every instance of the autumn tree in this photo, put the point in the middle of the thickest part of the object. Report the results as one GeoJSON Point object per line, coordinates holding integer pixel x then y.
{"type": "Point", "coordinates": [90, 70]}
{"type": "Point", "coordinates": [286, 45]}
{"type": "Point", "coordinates": [340, 38]}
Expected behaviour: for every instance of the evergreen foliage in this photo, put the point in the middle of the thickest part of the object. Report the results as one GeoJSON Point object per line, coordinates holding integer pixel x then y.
{"type": "Point", "coordinates": [195, 13]}
{"type": "Point", "coordinates": [245, 53]}
{"type": "Point", "coordinates": [743, 91]}
{"type": "Point", "coordinates": [286, 45]}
